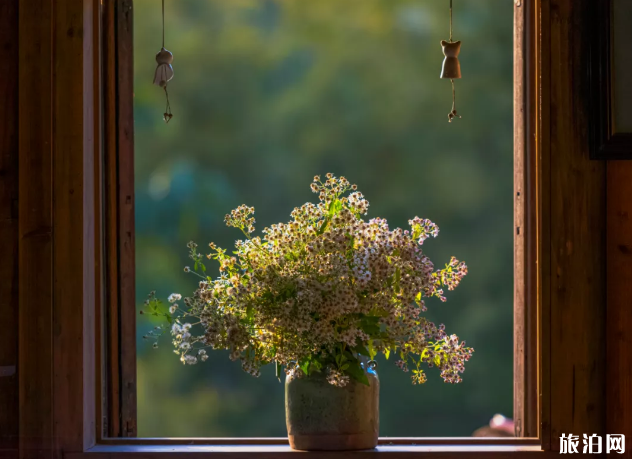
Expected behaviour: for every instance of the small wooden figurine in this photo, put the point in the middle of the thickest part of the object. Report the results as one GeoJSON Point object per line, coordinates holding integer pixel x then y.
{"type": "Point", "coordinates": [451, 68]}
{"type": "Point", "coordinates": [164, 71]}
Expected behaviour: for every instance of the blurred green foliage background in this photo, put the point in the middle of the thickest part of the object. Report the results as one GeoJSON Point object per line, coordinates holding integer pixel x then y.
{"type": "Point", "coordinates": [268, 93]}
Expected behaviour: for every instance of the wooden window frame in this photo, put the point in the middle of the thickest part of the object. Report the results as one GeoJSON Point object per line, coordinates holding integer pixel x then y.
{"type": "Point", "coordinates": [71, 247]}
{"type": "Point", "coordinates": [117, 26]}
{"type": "Point", "coordinates": [119, 312]}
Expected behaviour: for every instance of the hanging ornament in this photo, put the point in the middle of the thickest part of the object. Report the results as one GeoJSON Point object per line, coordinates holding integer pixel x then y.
{"type": "Point", "coordinates": [164, 71]}
{"type": "Point", "coordinates": [451, 68]}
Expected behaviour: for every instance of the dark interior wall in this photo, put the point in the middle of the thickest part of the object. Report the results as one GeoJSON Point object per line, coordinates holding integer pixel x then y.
{"type": "Point", "coordinates": [9, 228]}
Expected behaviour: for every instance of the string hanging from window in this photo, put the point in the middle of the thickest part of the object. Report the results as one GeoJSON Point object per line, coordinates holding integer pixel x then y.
{"type": "Point", "coordinates": [164, 71]}
{"type": "Point", "coordinates": [451, 68]}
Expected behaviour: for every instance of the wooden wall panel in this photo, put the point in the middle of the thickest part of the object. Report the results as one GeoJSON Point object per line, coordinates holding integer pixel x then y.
{"type": "Point", "coordinates": [35, 230]}
{"type": "Point", "coordinates": [67, 237]}
{"type": "Point", "coordinates": [56, 228]}
{"type": "Point", "coordinates": [73, 224]}
{"type": "Point", "coordinates": [619, 317]}
{"type": "Point", "coordinates": [577, 234]}
{"type": "Point", "coordinates": [9, 229]}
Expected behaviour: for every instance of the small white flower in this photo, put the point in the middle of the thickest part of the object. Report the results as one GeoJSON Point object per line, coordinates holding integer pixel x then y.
{"type": "Point", "coordinates": [185, 346]}
{"type": "Point", "coordinates": [176, 329]}
{"type": "Point", "coordinates": [174, 297]}
{"type": "Point", "coordinates": [173, 309]}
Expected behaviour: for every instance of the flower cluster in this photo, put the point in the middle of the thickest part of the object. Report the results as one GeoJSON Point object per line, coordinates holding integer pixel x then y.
{"type": "Point", "coordinates": [336, 377]}
{"type": "Point", "coordinates": [325, 291]}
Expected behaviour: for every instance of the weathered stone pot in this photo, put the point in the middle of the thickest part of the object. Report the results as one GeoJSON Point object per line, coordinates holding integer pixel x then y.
{"type": "Point", "coordinates": [323, 417]}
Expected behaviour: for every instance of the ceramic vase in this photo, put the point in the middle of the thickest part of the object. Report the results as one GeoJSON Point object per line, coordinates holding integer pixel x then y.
{"type": "Point", "coordinates": [323, 417]}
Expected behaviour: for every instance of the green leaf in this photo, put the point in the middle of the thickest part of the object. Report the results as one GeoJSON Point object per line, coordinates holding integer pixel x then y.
{"type": "Point", "coordinates": [305, 366]}
{"type": "Point", "coordinates": [370, 325]}
{"type": "Point", "coordinates": [387, 352]}
{"type": "Point", "coordinates": [416, 231]}
{"type": "Point", "coordinates": [355, 371]}
{"type": "Point", "coordinates": [372, 351]}
{"type": "Point", "coordinates": [335, 207]}
{"type": "Point", "coordinates": [361, 349]}
{"type": "Point", "coordinates": [323, 227]}
{"type": "Point", "coordinates": [398, 275]}
{"type": "Point", "coordinates": [315, 365]}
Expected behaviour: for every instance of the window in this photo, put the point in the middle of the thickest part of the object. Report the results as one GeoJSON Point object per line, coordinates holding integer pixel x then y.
{"type": "Point", "coordinates": [269, 93]}
{"type": "Point", "coordinates": [61, 231]}
{"type": "Point", "coordinates": [272, 82]}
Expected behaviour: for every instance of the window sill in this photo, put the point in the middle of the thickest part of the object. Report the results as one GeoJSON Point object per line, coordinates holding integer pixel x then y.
{"type": "Point", "coordinates": [426, 451]}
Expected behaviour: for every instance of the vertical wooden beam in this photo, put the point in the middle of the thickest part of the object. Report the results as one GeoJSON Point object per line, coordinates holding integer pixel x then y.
{"type": "Point", "coordinates": [91, 211]}
{"type": "Point", "coordinates": [35, 230]}
{"type": "Point", "coordinates": [68, 276]}
{"type": "Point", "coordinates": [112, 408]}
{"type": "Point", "coordinates": [126, 229]}
{"type": "Point", "coordinates": [119, 177]}
{"type": "Point", "coordinates": [520, 152]}
{"type": "Point", "coordinates": [9, 229]}
{"type": "Point", "coordinates": [542, 143]}
{"type": "Point", "coordinates": [525, 248]}
{"type": "Point", "coordinates": [100, 401]}
{"type": "Point", "coordinates": [577, 233]}
{"type": "Point", "coordinates": [619, 316]}
{"type": "Point", "coordinates": [73, 226]}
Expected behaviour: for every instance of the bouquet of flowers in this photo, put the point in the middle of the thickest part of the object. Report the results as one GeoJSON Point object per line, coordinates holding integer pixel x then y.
{"type": "Point", "coordinates": [322, 293]}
